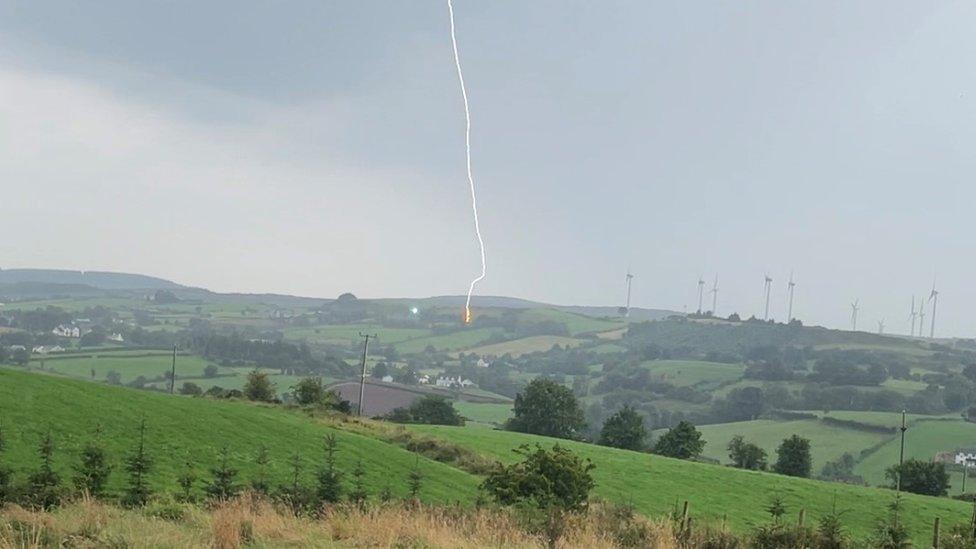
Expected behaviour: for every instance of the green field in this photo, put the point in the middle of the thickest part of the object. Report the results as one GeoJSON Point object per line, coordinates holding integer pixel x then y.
{"type": "Point", "coordinates": [682, 373]}
{"type": "Point", "coordinates": [349, 333]}
{"type": "Point", "coordinates": [827, 442]}
{"type": "Point", "coordinates": [455, 341]}
{"type": "Point", "coordinates": [518, 347]}
{"type": "Point", "coordinates": [576, 324]}
{"type": "Point", "coordinates": [484, 412]}
{"type": "Point", "coordinates": [652, 484]}
{"type": "Point", "coordinates": [128, 365]}
{"type": "Point", "coordinates": [923, 440]}
{"type": "Point", "coordinates": [32, 404]}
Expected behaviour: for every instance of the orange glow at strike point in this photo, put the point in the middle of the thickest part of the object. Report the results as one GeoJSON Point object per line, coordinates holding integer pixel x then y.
{"type": "Point", "coordinates": [467, 315]}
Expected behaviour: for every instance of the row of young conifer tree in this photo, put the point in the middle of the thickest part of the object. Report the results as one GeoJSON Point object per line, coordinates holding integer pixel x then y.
{"type": "Point", "coordinates": [44, 487]}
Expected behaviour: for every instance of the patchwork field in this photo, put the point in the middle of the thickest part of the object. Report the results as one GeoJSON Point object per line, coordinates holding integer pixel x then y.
{"type": "Point", "coordinates": [526, 345]}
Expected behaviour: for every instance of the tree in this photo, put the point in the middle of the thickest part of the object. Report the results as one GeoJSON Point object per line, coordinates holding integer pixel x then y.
{"type": "Point", "coordinates": [20, 357]}
{"type": "Point", "coordinates": [113, 378]}
{"type": "Point", "coordinates": [221, 486]}
{"type": "Point", "coordinates": [309, 391]}
{"type": "Point", "coordinates": [415, 481]}
{"type": "Point", "coordinates": [138, 465]}
{"type": "Point", "coordinates": [261, 483]}
{"type": "Point", "coordinates": [625, 429]}
{"type": "Point", "coordinates": [920, 477]}
{"type": "Point", "coordinates": [259, 387]}
{"type": "Point", "coordinates": [44, 484]}
{"type": "Point", "coordinates": [93, 472]}
{"type": "Point", "coordinates": [547, 408]}
{"type": "Point", "coordinates": [330, 478]}
{"type": "Point", "coordinates": [186, 480]}
{"type": "Point", "coordinates": [545, 478]}
{"type": "Point", "coordinates": [358, 494]}
{"type": "Point", "coordinates": [682, 441]}
{"type": "Point", "coordinates": [430, 409]}
{"type": "Point", "coordinates": [793, 457]}
{"type": "Point", "coordinates": [190, 388]}
{"type": "Point", "coordinates": [746, 455]}
{"type": "Point", "coordinates": [841, 470]}
{"type": "Point", "coordinates": [380, 370]}
{"type": "Point", "coordinates": [210, 371]}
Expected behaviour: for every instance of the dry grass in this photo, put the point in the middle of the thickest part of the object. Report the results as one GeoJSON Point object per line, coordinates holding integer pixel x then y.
{"type": "Point", "coordinates": [254, 522]}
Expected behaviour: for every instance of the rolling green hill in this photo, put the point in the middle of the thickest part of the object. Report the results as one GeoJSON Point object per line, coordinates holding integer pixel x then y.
{"type": "Point", "coordinates": [178, 427]}
{"type": "Point", "coordinates": [652, 484]}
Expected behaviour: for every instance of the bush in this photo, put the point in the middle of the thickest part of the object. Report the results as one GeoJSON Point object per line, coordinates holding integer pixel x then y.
{"type": "Point", "coordinates": [430, 410]}
{"type": "Point", "coordinates": [793, 457]}
{"type": "Point", "coordinates": [554, 478]}
{"type": "Point", "coordinates": [746, 455]}
{"type": "Point", "coordinates": [625, 429]}
{"type": "Point", "coordinates": [309, 391]}
{"type": "Point", "coordinates": [259, 387]}
{"type": "Point", "coordinates": [682, 441]}
{"type": "Point", "coordinates": [191, 389]}
{"type": "Point", "coordinates": [920, 477]}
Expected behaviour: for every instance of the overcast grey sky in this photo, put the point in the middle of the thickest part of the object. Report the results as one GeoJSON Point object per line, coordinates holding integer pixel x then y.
{"type": "Point", "coordinates": [317, 147]}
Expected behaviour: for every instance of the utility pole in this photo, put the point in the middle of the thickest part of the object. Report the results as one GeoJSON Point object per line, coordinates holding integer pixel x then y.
{"type": "Point", "coordinates": [172, 377]}
{"type": "Point", "coordinates": [901, 453]}
{"type": "Point", "coordinates": [362, 381]}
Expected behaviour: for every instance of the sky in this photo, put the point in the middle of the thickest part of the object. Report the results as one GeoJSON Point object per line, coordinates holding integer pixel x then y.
{"type": "Point", "coordinates": [315, 147]}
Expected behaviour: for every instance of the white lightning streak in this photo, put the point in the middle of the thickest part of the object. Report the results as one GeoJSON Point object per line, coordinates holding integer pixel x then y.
{"type": "Point", "coordinates": [467, 149]}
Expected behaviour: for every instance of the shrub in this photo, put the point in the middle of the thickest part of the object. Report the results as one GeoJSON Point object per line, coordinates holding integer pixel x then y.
{"type": "Point", "coordinates": [259, 387]}
{"type": "Point", "coordinates": [625, 429]}
{"type": "Point", "coordinates": [330, 478]}
{"type": "Point", "coordinates": [191, 389]}
{"type": "Point", "coordinates": [682, 441]}
{"type": "Point", "coordinates": [93, 472]}
{"type": "Point", "coordinates": [430, 410]}
{"type": "Point", "coordinates": [793, 457]}
{"type": "Point", "coordinates": [746, 455]}
{"type": "Point", "coordinates": [138, 465]}
{"type": "Point", "coordinates": [553, 478]}
{"type": "Point", "coordinates": [44, 485]}
{"type": "Point", "coordinates": [221, 486]}
{"type": "Point", "coordinates": [920, 477]}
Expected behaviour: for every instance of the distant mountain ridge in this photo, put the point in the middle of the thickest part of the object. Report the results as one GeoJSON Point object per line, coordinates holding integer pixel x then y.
{"type": "Point", "coordinates": [93, 279]}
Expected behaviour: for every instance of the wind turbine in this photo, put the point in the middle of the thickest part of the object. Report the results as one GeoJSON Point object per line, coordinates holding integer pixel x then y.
{"type": "Point", "coordinates": [768, 286]}
{"type": "Point", "coordinates": [854, 309]}
{"type": "Point", "coordinates": [701, 293]}
{"type": "Point", "coordinates": [913, 315]}
{"type": "Point", "coordinates": [934, 298]}
{"type": "Point", "coordinates": [921, 317]}
{"type": "Point", "coordinates": [789, 313]}
{"type": "Point", "coordinates": [714, 292]}
{"type": "Point", "coordinates": [630, 278]}
{"type": "Point", "coordinates": [881, 326]}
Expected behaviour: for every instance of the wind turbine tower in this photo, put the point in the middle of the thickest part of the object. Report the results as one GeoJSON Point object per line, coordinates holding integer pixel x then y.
{"type": "Point", "coordinates": [921, 317]}
{"type": "Point", "coordinates": [934, 298]}
{"type": "Point", "coordinates": [789, 311]}
{"type": "Point", "coordinates": [881, 326]}
{"type": "Point", "coordinates": [701, 293]}
{"type": "Point", "coordinates": [714, 292]}
{"type": "Point", "coordinates": [854, 308]}
{"type": "Point", "coordinates": [767, 288]}
{"type": "Point", "coordinates": [913, 315]}
{"type": "Point", "coordinates": [630, 279]}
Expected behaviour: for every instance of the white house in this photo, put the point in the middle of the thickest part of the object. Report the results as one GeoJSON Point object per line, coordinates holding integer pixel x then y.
{"type": "Point", "coordinates": [424, 379]}
{"type": "Point", "coordinates": [387, 379]}
{"type": "Point", "coordinates": [67, 331]}
{"type": "Point", "coordinates": [453, 382]}
{"type": "Point", "coordinates": [482, 363]}
{"type": "Point", "coordinates": [965, 458]}
{"type": "Point", "coordinates": [116, 338]}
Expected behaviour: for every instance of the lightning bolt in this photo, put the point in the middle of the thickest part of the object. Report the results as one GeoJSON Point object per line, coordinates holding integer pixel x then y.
{"type": "Point", "coordinates": [467, 152]}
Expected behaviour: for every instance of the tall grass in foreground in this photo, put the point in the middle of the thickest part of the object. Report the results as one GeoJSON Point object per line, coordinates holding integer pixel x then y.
{"type": "Point", "coordinates": [256, 522]}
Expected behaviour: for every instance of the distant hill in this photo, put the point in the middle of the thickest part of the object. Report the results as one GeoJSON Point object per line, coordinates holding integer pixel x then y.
{"type": "Point", "coordinates": [93, 279]}
{"type": "Point", "coordinates": [636, 313]}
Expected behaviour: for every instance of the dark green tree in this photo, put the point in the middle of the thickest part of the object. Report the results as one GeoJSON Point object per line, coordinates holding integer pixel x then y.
{"type": "Point", "coordinates": [262, 461]}
{"type": "Point", "coordinates": [44, 484]}
{"type": "Point", "coordinates": [309, 391]}
{"type": "Point", "coordinates": [415, 481]}
{"type": "Point", "coordinates": [544, 479]}
{"type": "Point", "coordinates": [330, 478]}
{"type": "Point", "coordinates": [547, 408]}
{"type": "Point", "coordinates": [92, 474]}
{"type": "Point", "coordinates": [186, 480]}
{"type": "Point", "coordinates": [259, 387]}
{"type": "Point", "coordinates": [625, 429]}
{"type": "Point", "coordinates": [920, 477]}
{"type": "Point", "coordinates": [430, 409]}
{"type": "Point", "coordinates": [841, 470]}
{"type": "Point", "coordinates": [191, 389]}
{"type": "Point", "coordinates": [295, 494]}
{"type": "Point", "coordinates": [221, 486]}
{"type": "Point", "coordinates": [682, 441]}
{"type": "Point", "coordinates": [358, 494]}
{"type": "Point", "coordinates": [793, 457]}
{"type": "Point", "coordinates": [138, 465]}
{"type": "Point", "coordinates": [746, 455]}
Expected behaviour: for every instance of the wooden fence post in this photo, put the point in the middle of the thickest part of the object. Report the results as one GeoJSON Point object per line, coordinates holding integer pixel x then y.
{"type": "Point", "coordinates": [803, 515]}
{"type": "Point", "coordinates": [935, 534]}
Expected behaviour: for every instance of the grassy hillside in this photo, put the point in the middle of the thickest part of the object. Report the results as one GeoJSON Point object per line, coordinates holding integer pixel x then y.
{"type": "Point", "coordinates": [519, 347]}
{"type": "Point", "coordinates": [922, 440]}
{"type": "Point", "coordinates": [653, 484]}
{"type": "Point", "coordinates": [32, 404]}
{"type": "Point", "coordinates": [827, 442]}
